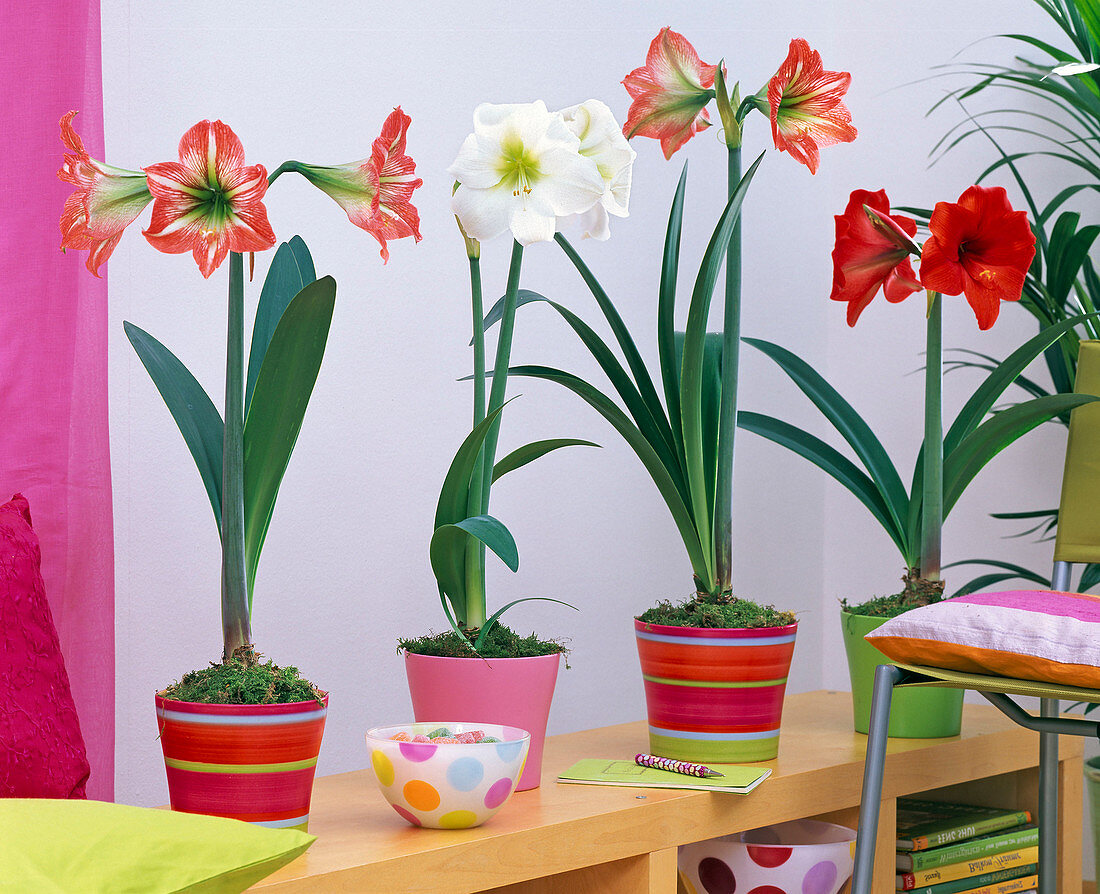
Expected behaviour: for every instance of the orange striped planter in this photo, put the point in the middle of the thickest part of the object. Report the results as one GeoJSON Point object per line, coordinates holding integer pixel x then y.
{"type": "Point", "coordinates": [714, 694]}
{"type": "Point", "coordinates": [249, 762]}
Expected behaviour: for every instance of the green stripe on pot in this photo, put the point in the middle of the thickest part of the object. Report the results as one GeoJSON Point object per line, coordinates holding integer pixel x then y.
{"type": "Point", "coordinates": [197, 767]}
{"type": "Point", "coordinates": [720, 752]}
{"type": "Point", "coordinates": [720, 684]}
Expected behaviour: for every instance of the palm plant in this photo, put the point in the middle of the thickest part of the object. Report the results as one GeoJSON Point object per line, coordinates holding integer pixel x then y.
{"type": "Point", "coordinates": [1055, 111]}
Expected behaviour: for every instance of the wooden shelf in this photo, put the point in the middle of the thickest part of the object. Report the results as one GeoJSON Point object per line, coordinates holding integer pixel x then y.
{"type": "Point", "coordinates": [585, 839]}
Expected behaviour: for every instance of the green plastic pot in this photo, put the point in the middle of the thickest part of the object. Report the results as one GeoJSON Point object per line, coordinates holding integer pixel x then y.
{"type": "Point", "coordinates": [916, 712]}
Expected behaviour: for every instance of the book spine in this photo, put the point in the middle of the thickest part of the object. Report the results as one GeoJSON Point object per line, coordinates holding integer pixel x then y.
{"type": "Point", "coordinates": [1018, 877]}
{"type": "Point", "coordinates": [968, 868]}
{"type": "Point", "coordinates": [968, 850]}
{"type": "Point", "coordinates": [971, 829]}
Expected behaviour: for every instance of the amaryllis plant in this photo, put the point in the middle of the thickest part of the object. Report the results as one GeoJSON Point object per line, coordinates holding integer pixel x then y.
{"type": "Point", "coordinates": [687, 443]}
{"type": "Point", "coordinates": [525, 171]}
{"type": "Point", "coordinates": [978, 247]}
{"type": "Point", "coordinates": [210, 203]}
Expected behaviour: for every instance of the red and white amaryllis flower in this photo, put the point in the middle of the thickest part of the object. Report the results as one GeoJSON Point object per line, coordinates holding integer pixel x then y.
{"type": "Point", "coordinates": [670, 93]}
{"type": "Point", "coordinates": [106, 200]}
{"type": "Point", "coordinates": [872, 253]}
{"type": "Point", "coordinates": [806, 105]}
{"type": "Point", "coordinates": [376, 192]}
{"type": "Point", "coordinates": [209, 202]}
{"type": "Point", "coordinates": [980, 247]}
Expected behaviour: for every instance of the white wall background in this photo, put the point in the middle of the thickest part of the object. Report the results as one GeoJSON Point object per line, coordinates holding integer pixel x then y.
{"type": "Point", "coordinates": [345, 571]}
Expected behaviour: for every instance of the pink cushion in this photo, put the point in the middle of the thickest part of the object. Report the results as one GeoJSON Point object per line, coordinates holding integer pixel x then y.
{"type": "Point", "coordinates": [1039, 635]}
{"type": "Point", "coordinates": [41, 750]}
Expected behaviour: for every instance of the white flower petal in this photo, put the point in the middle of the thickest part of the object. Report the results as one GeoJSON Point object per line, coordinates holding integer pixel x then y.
{"type": "Point", "coordinates": [593, 224]}
{"type": "Point", "coordinates": [529, 226]}
{"type": "Point", "coordinates": [484, 213]}
{"type": "Point", "coordinates": [570, 182]}
{"type": "Point", "coordinates": [475, 165]}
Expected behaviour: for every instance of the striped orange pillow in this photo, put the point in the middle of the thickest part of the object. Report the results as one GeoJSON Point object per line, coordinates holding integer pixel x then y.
{"type": "Point", "coordinates": [1025, 634]}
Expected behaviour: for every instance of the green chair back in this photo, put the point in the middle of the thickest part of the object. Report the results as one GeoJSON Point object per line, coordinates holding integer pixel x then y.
{"type": "Point", "coordinates": [1078, 538]}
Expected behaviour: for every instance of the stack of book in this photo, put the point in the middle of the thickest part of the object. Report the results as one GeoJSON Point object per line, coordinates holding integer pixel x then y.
{"type": "Point", "coordinates": [946, 848]}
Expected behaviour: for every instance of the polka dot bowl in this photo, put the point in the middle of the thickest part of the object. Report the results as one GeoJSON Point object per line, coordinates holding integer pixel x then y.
{"type": "Point", "coordinates": [799, 857]}
{"type": "Point", "coordinates": [450, 785]}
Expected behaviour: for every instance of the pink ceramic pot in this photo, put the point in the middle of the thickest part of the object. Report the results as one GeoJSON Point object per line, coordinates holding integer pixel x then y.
{"type": "Point", "coordinates": [512, 691]}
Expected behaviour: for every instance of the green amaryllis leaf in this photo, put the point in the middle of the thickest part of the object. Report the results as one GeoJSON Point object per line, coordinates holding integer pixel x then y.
{"type": "Point", "coordinates": [1011, 571]}
{"type": "Point", "coordinates": [681, 514]}
{"type": "Point", "coordinates": [283, 388]}
{"type": "Point", "coordinates": [850, 425]}
{"type": "Point", "coordinates": [488, 625]}
{"type": "Point", "coordinates": [834, 463]}
{"type": "Point", "coordinates": [968, 457]}
{"type": "Point", "coordinates": [455, 492]}
{"type": "Point", "coordinates": [291, 271]}
{"type": "Point", "coordinates": [1090, 577]}
{"type": "Point", "coordinates": [650, 421]}
{"type": "Point", "coordinates": [982, 400]}
{"type": "Point", "coordinates": [448, 550]}
{"type": "Point", "coordinates": [691, 371]}
{"type": "Point", "coordinates": [622, 335]}
{"type": "Point", "coordinates": [667, 352]}
{"type": "Point", "coordinates": [198, 419]}
{"type": "Point", "coordinates": [521, 456]}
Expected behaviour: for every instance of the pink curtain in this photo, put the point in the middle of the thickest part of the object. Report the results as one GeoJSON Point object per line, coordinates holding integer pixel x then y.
{"type": "Point", "coordinates": [53, 350]}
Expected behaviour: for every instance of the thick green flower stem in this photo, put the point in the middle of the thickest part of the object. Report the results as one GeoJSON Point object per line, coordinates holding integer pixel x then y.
{"type": "Point", "coordinates": [236, 628]}
{"type": "Point", "coordinates": [932, 515]}
{"type": "Point", "coordinates": [475, 549]}
{"type": "Point", "coordinates": [475, 599]}
{"type": "Point", "coordinates": [722, 520]}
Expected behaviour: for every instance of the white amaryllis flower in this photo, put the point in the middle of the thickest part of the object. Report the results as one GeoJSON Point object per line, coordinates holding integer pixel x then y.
{"type": "Point", "coordinates": [602, 140]}
{"type": "Point", "coordinates": [520, 170]}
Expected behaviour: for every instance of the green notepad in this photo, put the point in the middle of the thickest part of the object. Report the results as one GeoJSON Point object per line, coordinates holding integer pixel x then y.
{"type": "Point", "coordinates": [600, 771]}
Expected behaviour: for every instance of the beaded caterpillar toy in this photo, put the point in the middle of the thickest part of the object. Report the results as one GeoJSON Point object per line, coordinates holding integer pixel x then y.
{"type": "Point", "coordinates": [675, 766]}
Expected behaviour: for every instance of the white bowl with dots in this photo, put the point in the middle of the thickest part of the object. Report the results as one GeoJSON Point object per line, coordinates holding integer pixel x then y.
{"type": "Point", "coordinates": [447, 784]}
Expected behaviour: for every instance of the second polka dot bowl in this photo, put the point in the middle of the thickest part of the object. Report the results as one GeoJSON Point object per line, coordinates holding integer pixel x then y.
{"type": "Point", "coordinates": [452, 785]}
{"type": "Point", "coordinates": [799, 857]}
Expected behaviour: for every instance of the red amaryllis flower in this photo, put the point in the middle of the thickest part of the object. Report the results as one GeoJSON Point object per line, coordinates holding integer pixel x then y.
{"type": "Point", "coordinates": [980, 247]}
{"type": "Point", "coordinates": [872, 252]}
{"type": "Point", "coordinates": [208, 202]}
{"type": "Point", "coordinates": [105, 202]}
{"type": "Point", "coordinates": [806, 108]}
{"type": "Point", "coordinates": [669, 93]}
{"type": "Point", "coordinates": [376, 191]}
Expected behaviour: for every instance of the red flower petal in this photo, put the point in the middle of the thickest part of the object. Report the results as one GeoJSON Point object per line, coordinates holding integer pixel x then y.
{"type": "Point", "coordinates": [209, 202]}
{"type": "Point", "coordinates": [670, 93]}
{"type": "Point", "coordinates": [981, 247]}
{"type": "Point", "coordinates": [866, 259]}
{"type": "Point", "coordinates": [807, 111]}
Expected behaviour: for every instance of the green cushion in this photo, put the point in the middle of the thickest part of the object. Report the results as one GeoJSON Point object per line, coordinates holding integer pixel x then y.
{"type": "Point", "coordinates": [59, 847]}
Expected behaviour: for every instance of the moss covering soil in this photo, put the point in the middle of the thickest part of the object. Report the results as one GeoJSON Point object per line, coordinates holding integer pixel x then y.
{"type": "Point", "coordinates": [244, 681]}
{"type": "Point", "coordinates": [500, 642]}
{"type": "Point", "coordinates": [916, 592]}
{"type": "Point", "coordinates": [716, 612]}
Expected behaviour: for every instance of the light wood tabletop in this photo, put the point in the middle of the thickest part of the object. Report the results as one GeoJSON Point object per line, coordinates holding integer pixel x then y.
{"type": "Point", "coordinates": [585, 838]}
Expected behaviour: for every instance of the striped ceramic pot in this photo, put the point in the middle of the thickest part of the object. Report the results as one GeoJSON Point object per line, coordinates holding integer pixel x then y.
{"type": "Point", "coordinates": [249, 762]}
{"type": "Point", "coordinates": [714, 694]}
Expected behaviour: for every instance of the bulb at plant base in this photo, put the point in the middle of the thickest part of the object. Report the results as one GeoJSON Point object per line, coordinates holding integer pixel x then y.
{"type": "Point", "coordinates": [520, 170]}
{"type": "Point", "coordinates": [602, 140]}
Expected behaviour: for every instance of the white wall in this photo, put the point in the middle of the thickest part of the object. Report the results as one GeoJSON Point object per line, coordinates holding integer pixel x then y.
{"type": "Point", "coordinates": [345, 571]}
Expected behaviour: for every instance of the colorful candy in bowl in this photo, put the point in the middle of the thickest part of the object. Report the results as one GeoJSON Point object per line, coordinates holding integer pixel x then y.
{"type": "Point", "coordinates": [798, 857]}
{"type": "Point", "coordinates": [447, 775]}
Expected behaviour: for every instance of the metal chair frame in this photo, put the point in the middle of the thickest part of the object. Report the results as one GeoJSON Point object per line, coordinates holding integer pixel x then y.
{"type": "Point", "coordinates": [1048, 724]}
